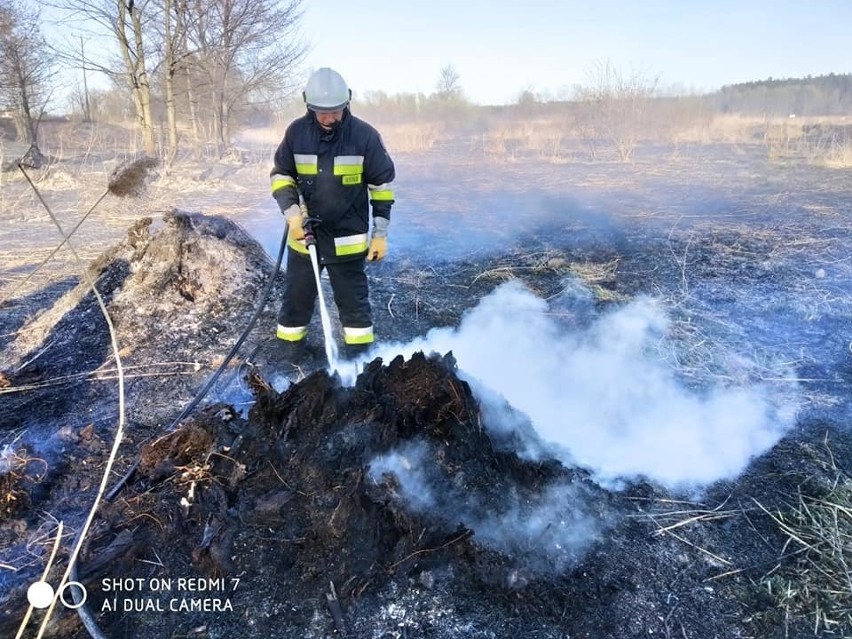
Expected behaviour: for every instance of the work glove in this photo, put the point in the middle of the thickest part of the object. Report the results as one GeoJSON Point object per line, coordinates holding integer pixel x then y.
{"type": "Point", "coordinates": [294, 217]}
{"type": "Point", "coordinates": [379, 242]}
{"type": "Point", "coordinates": [378, 249]}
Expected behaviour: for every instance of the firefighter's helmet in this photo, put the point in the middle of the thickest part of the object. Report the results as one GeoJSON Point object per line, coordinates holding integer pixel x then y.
{"type": "Point", "coordinates": [326, 90]}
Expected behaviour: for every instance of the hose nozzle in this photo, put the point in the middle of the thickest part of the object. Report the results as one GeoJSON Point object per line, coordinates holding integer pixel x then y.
{"type": "Point", "coordinates": [309, 226]}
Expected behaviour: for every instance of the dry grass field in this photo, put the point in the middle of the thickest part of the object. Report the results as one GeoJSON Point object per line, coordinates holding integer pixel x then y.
{"type": "Point", "coordinates": [691, 304]}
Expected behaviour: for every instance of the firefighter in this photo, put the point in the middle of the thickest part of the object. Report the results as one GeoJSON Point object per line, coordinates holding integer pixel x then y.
{"type": "Point", "coordinates": [340, 167]}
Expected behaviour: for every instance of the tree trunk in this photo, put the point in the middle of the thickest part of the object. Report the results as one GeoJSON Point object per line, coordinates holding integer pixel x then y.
{"type": "Point", "coordinates": [33, 157]}
{"type": "Point", "coordinates": [134, 62]}
{"type": "Point", "coordinates": [25, 124]}
{"type": "Point", "coordinates": [148, 134]}
{"type": "Point", "coordinates": [171, 68]}
{"type": "Point", "coordinates": [87, 109]}
{"type": "Point", "coordinates": [193, 107]}
{"type": "Point", "coordinates": [219, 123]}
{"type": "Point", "coordinates": [171, 116]}
{"type": "Point", "coordinates": [29, 123]}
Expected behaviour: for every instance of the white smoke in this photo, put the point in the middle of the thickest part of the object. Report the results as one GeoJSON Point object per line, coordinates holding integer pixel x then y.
{"type": "Point", "coordinates": [549, 532]}
{"type": "Point", "coordinates": [604, 397]}
{"type": "Point", "coordinates": [545, 532]}
{"type": "Point", "coordinates": [407, 463]}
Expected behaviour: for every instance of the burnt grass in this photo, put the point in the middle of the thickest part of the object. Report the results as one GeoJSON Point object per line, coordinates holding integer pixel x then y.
{"type": "Point", "coordinates": [280, 504]}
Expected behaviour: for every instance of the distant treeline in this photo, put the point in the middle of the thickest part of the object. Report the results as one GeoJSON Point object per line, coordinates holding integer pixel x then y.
{"type": "Point", "coordinates": [810, 96]}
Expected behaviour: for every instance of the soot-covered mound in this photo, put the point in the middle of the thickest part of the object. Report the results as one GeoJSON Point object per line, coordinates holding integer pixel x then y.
{"type": "Point", "coordinates": [178, 297]}
{"type": "Point", "coordinates": [326, 489]}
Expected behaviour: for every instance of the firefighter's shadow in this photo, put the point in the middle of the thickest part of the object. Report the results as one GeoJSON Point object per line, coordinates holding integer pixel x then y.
{"type": "Point", "coordinates": [78, 343]}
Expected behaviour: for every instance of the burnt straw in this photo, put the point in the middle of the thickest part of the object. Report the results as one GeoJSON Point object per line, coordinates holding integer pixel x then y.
{"type": "Point", "coordinates": [129, 180]}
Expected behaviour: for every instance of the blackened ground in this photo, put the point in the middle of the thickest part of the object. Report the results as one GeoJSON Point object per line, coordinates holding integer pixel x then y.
{"type": "Point", "coordinates": [281, 499]}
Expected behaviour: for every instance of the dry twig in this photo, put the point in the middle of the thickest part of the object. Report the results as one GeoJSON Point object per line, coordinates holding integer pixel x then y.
{"type": "Point", "coordinates": [47, 568]}
{"type": "Point", "coordinates": [124, 181]}
{"type": "Point", "coordinates": [119, 434]}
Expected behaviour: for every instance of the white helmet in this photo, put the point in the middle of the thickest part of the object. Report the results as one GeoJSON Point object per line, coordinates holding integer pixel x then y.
{"type": "Point", "coordinates": [326, 90]}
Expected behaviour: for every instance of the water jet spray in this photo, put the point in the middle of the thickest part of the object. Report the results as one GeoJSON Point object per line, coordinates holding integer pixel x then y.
{"type": "Point", "coordinates": [309, 225]}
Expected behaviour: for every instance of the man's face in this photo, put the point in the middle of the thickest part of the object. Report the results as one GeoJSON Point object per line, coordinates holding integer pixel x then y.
{"type": "Point", "coordinates": [327, 119]}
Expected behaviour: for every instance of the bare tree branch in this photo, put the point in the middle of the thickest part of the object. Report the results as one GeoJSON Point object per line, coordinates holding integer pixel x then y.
{"type": "Point", "coordinates": [243, 47]}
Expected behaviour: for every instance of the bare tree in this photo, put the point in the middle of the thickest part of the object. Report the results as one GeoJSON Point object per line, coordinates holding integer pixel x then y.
{"type": "Point", "coordinates": [127, 23]}
{"type": "Point", "coordinates": [174, 41]}
{"type": "Point", "coordinates": [85, 103]}
{"type": "Point", "coordinates": [614, 106]}
{"type": "Point", "coordinates": [241, 49]}
{"type": "Point", "coordinates": [448, 86]}
{"type": "Point", "coordinates": [167, 34]}
{"type": "Point", "coordinates": [25, 72]}
{"type": "Point", "coordinates": [204, 60]}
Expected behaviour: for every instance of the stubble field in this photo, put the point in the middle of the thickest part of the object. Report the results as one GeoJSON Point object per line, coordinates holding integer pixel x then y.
{"type": "Point", "coordinates": [644, 429]}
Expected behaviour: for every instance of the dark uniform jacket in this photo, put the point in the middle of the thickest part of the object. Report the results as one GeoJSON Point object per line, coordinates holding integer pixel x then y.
{"type": "Point", "coordinates": [337, 173]}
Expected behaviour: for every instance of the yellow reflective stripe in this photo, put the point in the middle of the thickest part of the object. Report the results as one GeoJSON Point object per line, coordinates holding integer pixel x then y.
{"type": "Point", "coordinates": [281, 181]}
{"type": "Point", "coordinates": [380, 192]}
{"type": "Point", "coordinates": [350, 244]}
{"type": "Point", "coordinates": [349, 165]}
{"type": "Point", "coordinates": [350, 250]}
{"type": "Point", "coordinates": [306, 164]}
{"type": "Point", "coordinates": [291, 333]}
{"type": "Point", "coordinates": [358, 335]}
{"type": "Point", "coordinates": [298, 245]}
{"type": "Point", "coordinates": [348, 169]}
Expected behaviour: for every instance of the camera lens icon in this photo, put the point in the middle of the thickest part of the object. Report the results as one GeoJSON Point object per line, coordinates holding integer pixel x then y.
{"type": "Point", "coordinates": [41, 594]}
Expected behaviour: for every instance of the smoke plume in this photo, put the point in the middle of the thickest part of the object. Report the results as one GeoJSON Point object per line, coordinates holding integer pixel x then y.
{"type": "Point", "coordinates": [603, 397]}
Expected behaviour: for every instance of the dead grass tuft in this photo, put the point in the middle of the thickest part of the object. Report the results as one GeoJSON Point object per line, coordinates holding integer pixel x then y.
{"type": "Point", "coordinates": [597, 277]}
{"type": "Point", "coordinates": [130, 180]}
{"type": "Point", "coordinates": [720, 129]}
{"type": "Point", "coordinates": [600, 278]}
{"type": "Point", "coordinates": [817, 584]}
{"type": "Point", "coordinates": [415, 137]}
{"type": "Point", "coordinates": [838, 156]}
{"type": "Point", "coordinates": [538, 263]}
{"type": "Point", "coordinates": [541, 138]}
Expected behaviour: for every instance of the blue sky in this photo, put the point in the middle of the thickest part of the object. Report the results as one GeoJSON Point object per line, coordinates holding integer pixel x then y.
{"type": "Point", "coordinates": [500, 48]}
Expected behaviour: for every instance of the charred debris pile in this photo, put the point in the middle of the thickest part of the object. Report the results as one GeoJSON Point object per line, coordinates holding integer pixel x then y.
{"type": "Point", "coordinates": [324, 484]}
